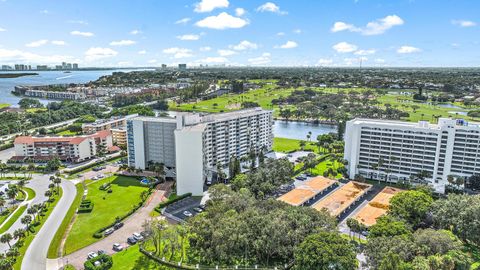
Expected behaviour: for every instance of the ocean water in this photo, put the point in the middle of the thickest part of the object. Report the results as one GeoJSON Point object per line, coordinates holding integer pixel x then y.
{"type": "Point", "coordinates": [46, 77]}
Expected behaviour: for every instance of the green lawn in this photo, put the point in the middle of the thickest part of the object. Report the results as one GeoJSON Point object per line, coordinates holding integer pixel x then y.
{"type": "Point", "coordinates": [4, 105]}
{"type": "Point", "coordinates": [66, 133]}
{"type": "Point", "coordinates": [54, 249]}
{"type": "Point", "coordinates": [30, 192]}
{"type": "Point", "coordinates": [26, 193]}
{"type": "Point", "coordinates": [12, 220]}
{"type": "Point", "coordinates": [131, 259]}
{"type": "Point", "coordinates": [325, 165]}
{"type": "Point", "coordinates": [107, 206]}
{"type": "Point", "coordinates": [285, 145]}
{"type": "Point", "coordinates": [4, 215]}
{"type": "Point", "coordinates": [27, 240]}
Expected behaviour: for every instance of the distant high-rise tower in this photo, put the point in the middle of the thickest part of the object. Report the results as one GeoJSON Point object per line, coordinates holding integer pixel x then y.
{"type": "Point", "coordinates": [182, 66]}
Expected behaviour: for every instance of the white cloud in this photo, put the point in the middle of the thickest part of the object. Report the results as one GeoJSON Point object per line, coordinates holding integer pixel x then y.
{"type": "Point", "coordinates": [464, 23]}
{"type": "Point", "coordinates": [78, 22]}
{"type": "Point", "coordinates": [45, 11]}
{"type": "Point", "coordinates": [205, 49]}
{"type": "Point", "coordinates": [142, 52]}
{"type": "Point", "coordinates": [2, 29]}
{"type": "Point", "coordinates": [189, 37]}
{"type": "Point", "coordinates": [59, 42]}
{"type": "Point", "coordinates": [124, 63]}
{"type": "Point", "coordinates": [379, 61]}
{"type": "Point", "coordinates": [178, 52]}
{"type": "Point", "coordinates": [83, 34]}
{"type": "Point", "coordinates": [288, 45]}
{"type": "Point", "coordinates": [152, 61]}
{"type": "Point", "coordinates": [239, 12]}
{"type": "Point", "coordinates": [281, 34]}
{"type": "Point", "coordinates": [13, 56]}
{"type": "Point", "coordinates": [324, 62]}
{"type": "Point", "coordinates": [261, 60]}
{"type": "Point", "coordinates": [344, 47]}
{"type": "Point", "coordinates": [407, 49]}
{"type": "Point", "coordinates": [135, 32]}
{"type": "Point", "coordinates": [183, 21]}
{"type": "Point", "coordinates": [222, 21]}
{"type": "Point", "coordinates": [244, 45]}
{"type": "Point", "coordinates": [376, 27]}
{"type": "Point", "coordinates": [213, 60]}
{"type": "Point", "coordinates": [226, 52]}
{"type": "Point", "coordinates": [209, 5]}
{"type": "Point", "coordinates": [297, 31]}
{"type": "Point", "coordinates": [271, 7]}
{"type": "Point", "coordinates": [96, 53]}
{"type": "Point", "coordinates": [37, 43]}
{"type": "Point", "coordinates": [365, 52]}
{"type": "Point", "coordinates": [125, 42]}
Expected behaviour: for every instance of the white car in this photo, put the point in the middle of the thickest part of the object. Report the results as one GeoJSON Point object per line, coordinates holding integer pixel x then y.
{"type": "Point", "coordinates": [137, 236]}
{"type": "Point", "coordinates": [187, 213]}
{"type": "Point", "coordinates": [117, 247]}
{"type": "Point", "coordinates": [92, 255]}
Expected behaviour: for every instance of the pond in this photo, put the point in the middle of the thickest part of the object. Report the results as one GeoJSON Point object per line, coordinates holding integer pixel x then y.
{"type": "Point", "coordinates": [299, 130]}
{"type": "Point", "coordinates": [449, 105]}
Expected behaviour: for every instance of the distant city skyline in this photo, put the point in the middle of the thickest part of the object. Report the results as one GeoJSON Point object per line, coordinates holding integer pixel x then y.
{"type": "Point", "coordinates": [340, 33]}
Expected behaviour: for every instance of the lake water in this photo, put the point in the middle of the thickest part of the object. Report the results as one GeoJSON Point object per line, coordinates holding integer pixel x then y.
{"type": "Point", "coordinates": [46, 77]}
{"type": "Point", "coordinates": [449, 105]}
{"type": "Point", "coordinates": [299, 130]}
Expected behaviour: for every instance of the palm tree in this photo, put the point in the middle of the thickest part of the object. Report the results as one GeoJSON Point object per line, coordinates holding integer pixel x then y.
{"type": "Point", "coordinates": [57, 181]}
{"type": "Point", "coordinates": [6, 238]}
{"type": "Point", "coordinates": [26, 220]}
{"type": "Point", "coordinates": [19, 234]}
{"type": "Point", "coordinates": [302, 144]}
{"type": "Point", "coordinates": [2, 204]}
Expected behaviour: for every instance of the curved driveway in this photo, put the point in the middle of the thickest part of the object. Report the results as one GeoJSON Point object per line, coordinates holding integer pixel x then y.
{"type": "Point", "coordinates": [36, 255]}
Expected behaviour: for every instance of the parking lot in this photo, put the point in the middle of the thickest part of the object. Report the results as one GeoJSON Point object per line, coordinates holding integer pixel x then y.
{"type": "Point", "coordinates": [188, 204]}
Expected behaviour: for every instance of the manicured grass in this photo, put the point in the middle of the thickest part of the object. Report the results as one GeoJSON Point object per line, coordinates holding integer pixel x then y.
{"type": "Point", "coordinates": [285, 145]}
{"type": "Point", "coordinates": [14, 218]}
{"type": "Point", "coordinates": [66, 133]}
{"type": "Point", "coordinates": [54, 249]}
{"type": "Point", "coordinates": [31, 193]}
{"type": "Point", "coordinates": [5, 215]}
{"type": "Point", "coordinates": [325, 165]}
{"type": "Point", "coordinates": [132, 258]}
{"type": "Point", "coordinates": [69, 267]}
{"type": "Point", "coordinates": [25, 194]}
{"type": "Point", "coordinates": [27, 240]}
{"type": "Point", "coordinates": [4, 105]}
{"type": "Point", "coordinates": [107, 206]}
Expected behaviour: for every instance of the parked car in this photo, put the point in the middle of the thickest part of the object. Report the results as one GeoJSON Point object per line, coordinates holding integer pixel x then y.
{"type": "Point", "coordinates": [137, 236]}
{"type": "Point", "coordinates": [108, 231]}
{"type": "Point", "coordinates": [117, 247]}
{"type": "Point", "coordinates": [145, 234]}
{"type": "Point", "coordinates": [94, 178]}
{"type": "Point", "coordinates": [100, 252]}
{"type": "Point", "coordinates": [198, 209]}
{"type": "Point", "coordinates": [96, 169]}
{"type": "Point", "coordinates": [187, 213]}
{"type": "Point", "coordinates": [202, 206]}
{"type": "Point", "coordinates": [118, 225]}
{"type": "Point", "coordinates": [131, 240]}
{"type": "Point", "coordinates": [92, 255]}
{"type": "Point", "coordinates": [209, 182]}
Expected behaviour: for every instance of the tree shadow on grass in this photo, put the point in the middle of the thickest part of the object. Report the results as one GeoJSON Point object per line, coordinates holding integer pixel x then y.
{"type": "Point", "coordinates": [124, 181]}
{"type": "Point", "coordinates": [144, 263]}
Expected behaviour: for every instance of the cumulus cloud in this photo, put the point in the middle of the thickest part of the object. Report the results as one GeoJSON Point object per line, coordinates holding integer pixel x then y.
{"type": "Point", "coordinates": [261, 60]}
{"type": "Point", "coordinates": [239, 12]}
{"type": "Point", "coordinates": [365, 52]}
{"type": "Point", "coordinates": [83, 34]}
{"type": "Point", "coordinates": [407, 49]}
{"type": "Point", "coordinates": [324, 62]}
{"type": "Point", "coordinates": [12, 56]}
{"type": "Point", "coordinates": [226, 52]}
{"type": "Point", "coordinates": [222, 21]}
{"type": "Point", "coordinates": [213, 60]}
{"type": "Point", "coordinates": [205, 49]}
{"type": "Point", "coordinates": [178, 52]}
{"type": "Point", "coordinates": [271, 7]}
{"type": "Point", "coordinates": [135, 32]}
{"type": "Point", "coordinates": [376, 27]}
{"type": "Point", "coordinates": [183, 21]}
{"type": "Point", "coordinates": [464, 23]}
{"type": "Point", "coordinates": [124, 42]}
{"type": "Point", "coordinates": [189, 37]}
{"type": "Point", "coordinates": [244, 45]}
{"type": "Point", "coordinates": [288, 45]}
{"type": "Point", "coordinates": [59, 42]}
{"type": "Point", "coordinates": [37, 43]}
{"type": "Point", "coordinates": [209, 5]}
{"type": "Point", "coordinates": [96, 53]}
{"type": "Point", "coordinates": [344, 47]}
{"type": "Point", "coordinates": [142, 52]}
{"type": "Point", "coordinates": [2, 29]}
{"type": "Point", "coordinates": [281, 34]}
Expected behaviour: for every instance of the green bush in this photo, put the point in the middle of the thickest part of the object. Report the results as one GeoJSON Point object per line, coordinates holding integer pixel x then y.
{"type": "Point", "coordinates": [106, 263]}
{"type": "Point", "coordinates": [86, 206]}
{"type": "Point", "coordinates": [176, 199]}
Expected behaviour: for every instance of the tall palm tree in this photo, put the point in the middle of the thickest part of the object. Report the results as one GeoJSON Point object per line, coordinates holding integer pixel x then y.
{"type": "Point", "coordinates": [6, 238]}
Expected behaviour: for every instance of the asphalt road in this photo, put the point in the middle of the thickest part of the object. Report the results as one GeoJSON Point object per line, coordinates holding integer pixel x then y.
{"type": "Point", "coordinates": [36, 255]}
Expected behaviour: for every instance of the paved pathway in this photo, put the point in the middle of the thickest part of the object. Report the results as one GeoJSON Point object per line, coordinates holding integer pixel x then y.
{"type": "Point", "coordinates": [36, 255]}
{"type": "Point", "coordinates": [132, 224]}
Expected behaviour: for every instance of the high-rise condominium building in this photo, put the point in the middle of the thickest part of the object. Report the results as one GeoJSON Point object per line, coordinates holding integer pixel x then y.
{"type": "Point", "coordinates": [201, 143]}
{"type": "Point", "coordinates": [394, 151]}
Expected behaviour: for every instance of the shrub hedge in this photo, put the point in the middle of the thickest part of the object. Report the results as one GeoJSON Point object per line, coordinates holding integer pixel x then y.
{"type": "Point", "coordinates": [170, 201]}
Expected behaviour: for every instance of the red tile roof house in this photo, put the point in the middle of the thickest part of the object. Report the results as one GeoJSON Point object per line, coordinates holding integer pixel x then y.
{"type": "Point", "coordinates": [68, 149]}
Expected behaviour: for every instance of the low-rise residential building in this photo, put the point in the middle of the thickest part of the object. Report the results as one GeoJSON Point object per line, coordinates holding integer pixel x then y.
{"type": "Point", "coordinates": [54, 95]}
{"type": "Point", "coordinates": [107, 124]}
{"type": "Point", "coordinates": [394, 151]}
{"type": "Point", "coordinates": [69, 149]}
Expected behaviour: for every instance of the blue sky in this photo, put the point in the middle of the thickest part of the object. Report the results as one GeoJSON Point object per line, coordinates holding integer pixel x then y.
{"type": "Point", "coordinates": [239, 32]}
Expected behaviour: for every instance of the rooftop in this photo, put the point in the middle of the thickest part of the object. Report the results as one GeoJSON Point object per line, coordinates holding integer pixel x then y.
{"type": "Point", "coordinates": [377, 207]}
{"type": "Point", "coordinates": [306, 191]}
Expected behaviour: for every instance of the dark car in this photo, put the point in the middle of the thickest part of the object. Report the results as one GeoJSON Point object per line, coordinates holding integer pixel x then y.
{"type": "Point", "coordinates": [131, 240]}
{"type": "Point", "coordinates": [100, 252]}
{"type": "Point", "coordinates": [118, 225]}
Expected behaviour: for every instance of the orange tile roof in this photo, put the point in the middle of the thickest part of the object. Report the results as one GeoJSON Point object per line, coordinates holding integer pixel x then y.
{"type": "Point", "coordinates": [377, 207]}
{"type": "Point", "coordinates": [342, 198]}
{"type": "Point", "coordinates": [308, 190]}
{"type": "Point", "coordinates": [71, 140]}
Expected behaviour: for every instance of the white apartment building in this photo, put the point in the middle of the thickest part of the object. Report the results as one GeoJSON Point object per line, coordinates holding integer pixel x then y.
{"type": "Point", "coordinates": [200, 142]}
{"type": "Point", "coordinates": [451, 147]}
